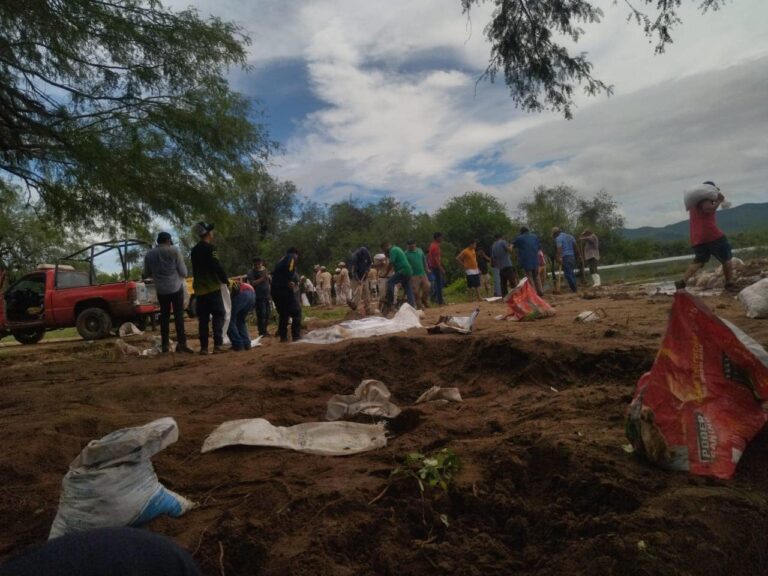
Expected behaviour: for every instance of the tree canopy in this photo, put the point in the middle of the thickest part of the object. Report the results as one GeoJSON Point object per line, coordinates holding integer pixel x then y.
{"type": "Point", "coordinates": [113, 111]}
{"type": "Point", "coordinates": [527, 45]}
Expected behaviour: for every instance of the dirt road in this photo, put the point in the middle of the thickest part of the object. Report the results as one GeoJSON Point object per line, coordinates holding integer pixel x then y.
{"type": "Point", "coordinates": [545, 486]}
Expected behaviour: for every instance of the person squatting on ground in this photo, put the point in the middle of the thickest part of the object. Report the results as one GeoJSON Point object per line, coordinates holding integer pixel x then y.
{"type": "Point", "coordinates": [500, 257]}
{"type": "Point", "coordinates": [419, 280]}
{"type": "Point", "coordinates": [258, 278]}
{"type": "Point", "coordinates": [707, 239]}
{"type": "Point", "coordinates": [284, 287]}
{"type": "Point", "coordinates": [591, 254]}
{"type": "Point", "coordinates": [435, 265]}
{"type": "Point", "coordinates": [104, 552]}
{"type": "Point", "coordinates": [483, 260]}
{"type": "Point", "coordinates": [165, 265]}
{"type": "Point", "coordinates": [528, 248]}
{"type": "Point", "coordinates": [565, 254]}
{"type": "Point", "coordinates": [243, 300]}
{"type": "Point", "coordinates": [467, 258]}
{"type": "Point", "coordinates": [402, 275]}
{"type": "Point", "coordinates": [208, 276]}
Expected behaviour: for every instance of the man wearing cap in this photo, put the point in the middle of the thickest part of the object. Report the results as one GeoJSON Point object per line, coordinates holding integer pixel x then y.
{"type": "Point", "coordinates": [403, 272]}
{"type": "Point", "coordinates": [285, 280]}
{"type": "Point", "coordinates": [345, 283]}
{"type": "Point", "coordinates": [565, 246]}
{"type": "Point", "coordinates": [208, 278]}
{"type": "Point", "coordinates": [258, 277]}
{"type": "Point", "coordinates": [324, 286]}
{"type": "Point", "coordinates": [165, 265]}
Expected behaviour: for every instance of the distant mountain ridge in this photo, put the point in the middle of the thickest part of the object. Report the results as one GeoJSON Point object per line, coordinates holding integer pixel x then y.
{"type": "Point", "coordinates": [742, 218]}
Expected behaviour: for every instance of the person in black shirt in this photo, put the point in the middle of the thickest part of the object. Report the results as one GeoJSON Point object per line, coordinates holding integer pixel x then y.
{"type": "Point", "coordinates": [208, 278]}
{"type": "Point", "coordinates": [258, 277]}
{"type": "Point", "coordinates": [285, 280]}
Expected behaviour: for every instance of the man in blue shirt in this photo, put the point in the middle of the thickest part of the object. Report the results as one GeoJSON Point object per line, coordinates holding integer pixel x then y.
{"type": "Point", "coordinates": [500, 259]}
{"type": "Point", "coordinates": [528, 246]}
{"type": "Point", "coordinates": [565, 254]}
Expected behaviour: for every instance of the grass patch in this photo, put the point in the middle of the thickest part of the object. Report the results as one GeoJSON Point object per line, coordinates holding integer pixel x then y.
{"type": "Point", "coordinates": [61, 333]}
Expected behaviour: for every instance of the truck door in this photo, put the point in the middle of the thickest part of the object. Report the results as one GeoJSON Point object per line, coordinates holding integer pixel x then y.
{"type": "Point", "coordinates": [25, 300]}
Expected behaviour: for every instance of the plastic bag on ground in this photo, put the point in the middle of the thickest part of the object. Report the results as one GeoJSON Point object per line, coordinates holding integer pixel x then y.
{"type": "Point", "coordinates": [702, 401]}
{"type": "Point", "coordinates": [371, 397]}
{"type": "Point", "coordinates": [128, 329]}
{"type": "Point", "coordinates": [525, 304]}
{"type": "Point", "coordinates": [327, 438]}
{"type": "Point", "coordinates": [406, 318]}
{"type": "Point", "coordinates": [112, 482]}
{"type": "Point", "coordinates": [755, 299]}
{"type": "Point", "coordinates": [455, 324]}
{"type": "Point", "coordinates": [438, 393]}
{"type": "Point", "coordinates": [591, 315]}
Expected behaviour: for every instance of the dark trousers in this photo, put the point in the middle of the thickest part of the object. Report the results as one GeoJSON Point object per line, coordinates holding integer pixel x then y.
{"type": "Point", "coordinates": [211, 305]}
{"type": "Point", "coordinates": [437, 286]}
{"type": "Point", "coordinates": [508, 279]}
{"type": "Point", "coordinates": [405, 281]}
{"type": "Point", "coordinates": [263, 312]}
{"type": "Point", "coordinates": [175, 301]}
{"type": "Point", "coordinates": [287, 307]}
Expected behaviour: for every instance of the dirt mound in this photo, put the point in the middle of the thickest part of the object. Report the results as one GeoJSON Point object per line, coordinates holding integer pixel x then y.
{"type": "Point", "coordinates": [544, 486]}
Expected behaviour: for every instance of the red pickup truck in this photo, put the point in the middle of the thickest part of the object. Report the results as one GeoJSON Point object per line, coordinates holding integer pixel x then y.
{"type": "Point", "coordinates": [59, 296]}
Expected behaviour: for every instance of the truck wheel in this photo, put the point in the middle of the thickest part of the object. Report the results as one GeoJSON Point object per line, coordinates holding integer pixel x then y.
{"type": "Point", "coordinates": [93, 323]}
{"type": "Point", "coordinates": [29, 336]}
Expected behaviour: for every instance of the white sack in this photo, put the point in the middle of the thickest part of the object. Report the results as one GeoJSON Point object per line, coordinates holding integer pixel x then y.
{"type": "Point", "coordinates": [438, 393]}
{"type": "Point", "coordinates": [405, 319]}
{"type": "Point", "coordinates": [112, 482]}
{"type": "Point", "coordinates": [455, 324]}
{"type": "Point", "coordinates": [128, 329]}
{"type": "Point", "coordinates": [327, 438]}
{"type": "Point", "coordinates": [698, 193]}
{"type": "Point", "coordinates": [371, 397]}
{"type": "Point", "coordinates": [227, 298]}
{"type": "Point", "coordinates": [755, 299]}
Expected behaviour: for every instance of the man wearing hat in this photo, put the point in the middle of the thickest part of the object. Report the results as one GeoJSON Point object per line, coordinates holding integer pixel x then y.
{"type": "Point", "coordinates": [165, 265]}
{"type": "Point", "coordinates": [208, 278]}
{"type": "Point", "coordinates": [345, 283]}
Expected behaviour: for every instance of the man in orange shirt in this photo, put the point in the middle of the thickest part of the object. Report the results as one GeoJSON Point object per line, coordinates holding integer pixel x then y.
{"type": "Point", "coordinates": [468, 260]}
{"type": "Point", "coordinates": [707, 239]}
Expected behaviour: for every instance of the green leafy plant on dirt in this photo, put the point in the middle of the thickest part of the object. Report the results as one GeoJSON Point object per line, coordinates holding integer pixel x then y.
{"type": "Point", "coordinates": [435, 470]}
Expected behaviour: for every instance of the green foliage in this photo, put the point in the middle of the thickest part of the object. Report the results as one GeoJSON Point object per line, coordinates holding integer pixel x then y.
{"type": "Point", "coordinates": [117, 111]}
{"type": "Point", "coordinates": [473, 216]}
{"type": "Point", "coordinates": [26, 238]}
{"type": "Point", "coordinates": [436, 470]}
{"type": "Point", "coordinates": [528, 46]}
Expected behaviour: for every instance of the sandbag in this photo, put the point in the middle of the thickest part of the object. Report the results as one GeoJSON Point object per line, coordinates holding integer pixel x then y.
{"type": "Point", "coordinates": [407, 317]}
{"type": "Point", "coordinates": [702, 401]}
{"type": "Point", "coordinates": [327, 438]}
{"type": "Point", "coordinates": [694, 195]}
{"type": "Point", "coordinates": [226, 297]}
{"type": "Point", "coordinates": [112, 482]}
{"type": "Point", "coordinates": [371, 397]}
{"type": "Point", "coordinates": [455, 324]}
{"type": "Point", "coordinates": [755, 299]}
{"type": "Point", "coordinates": [525, 304]}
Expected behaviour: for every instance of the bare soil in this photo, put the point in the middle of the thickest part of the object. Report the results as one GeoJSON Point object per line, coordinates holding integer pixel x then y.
{"type": "Point", "coordinates": [545, 486]}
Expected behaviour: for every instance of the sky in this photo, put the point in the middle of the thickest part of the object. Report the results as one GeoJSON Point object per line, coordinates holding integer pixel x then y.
{"type": "Point", "coordinates": [371, 99]}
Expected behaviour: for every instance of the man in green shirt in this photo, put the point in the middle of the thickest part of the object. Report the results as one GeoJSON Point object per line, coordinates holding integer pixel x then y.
{"type": "Point", "coordinates": [403, 272]}
{"type": "Point", "coordinates": [419, 280]}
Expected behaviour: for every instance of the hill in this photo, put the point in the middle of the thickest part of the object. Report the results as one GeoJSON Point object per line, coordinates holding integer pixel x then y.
{"type": "Point", "coordinates": [742, 218]}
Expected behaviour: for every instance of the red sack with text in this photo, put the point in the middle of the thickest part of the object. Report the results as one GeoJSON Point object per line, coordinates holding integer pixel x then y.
{"type": "Point", "coordinates": [702, 401]}
{"type": "Point", "coordinates": [525, 304]}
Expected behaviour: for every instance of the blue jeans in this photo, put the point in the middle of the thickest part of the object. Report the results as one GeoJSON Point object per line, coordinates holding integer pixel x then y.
{"type": "Point", "coordinates": [263, 312]}
{"type": "Point", "coordinates": [437, 286]}
{"type": "Point", "coordinates": [405, 281]}
{"type": "Point", "coordinates": [242, 304]}
{"type": "Point", "coordinates": [569, 262]}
